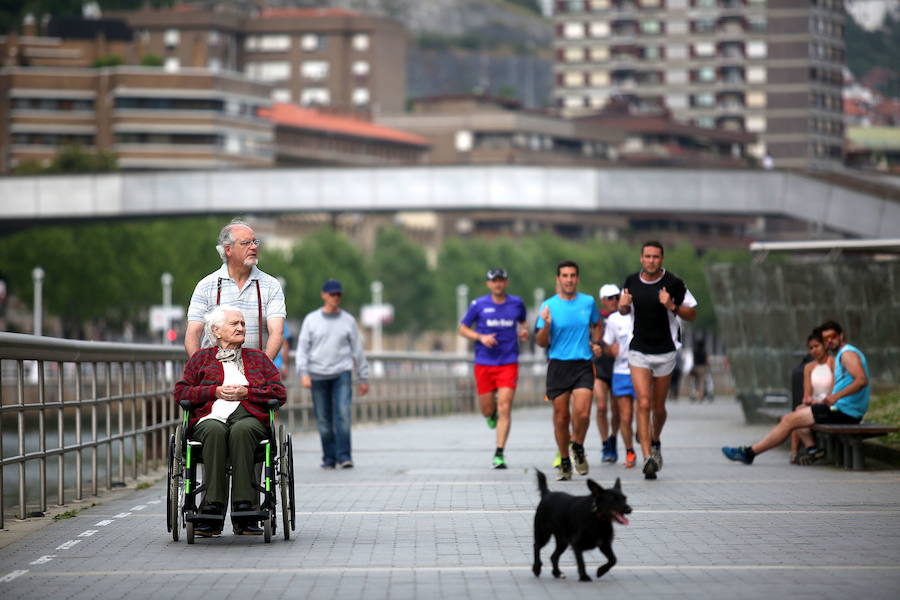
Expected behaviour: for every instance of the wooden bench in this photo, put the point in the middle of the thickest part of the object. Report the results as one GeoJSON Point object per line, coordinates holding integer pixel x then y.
{"type": "Point", "coordinates": [843, 443]}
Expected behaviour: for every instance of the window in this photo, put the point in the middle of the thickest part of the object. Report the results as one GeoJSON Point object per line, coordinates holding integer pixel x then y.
{"type": "Point", "coordinates": [573, 54]}
{"type": "Point", "coordinates": [573, 101]}
{"type": "Point", "coordinates": [676, 51]}
{"type": "Point", "coordinates": [310, 42]}
{"type": "Point", "coordinates": [758, 24]}
{"type": "Point", "coordinates": [676, 76]}
{"type": "Point", "coordinates": [676, 101]}
{"type": "Point", "coordinates": [599, 29]}
{"type": "Point", "coordinates": [756, 124]}
{"type": "Point", "coordinates": [314, 69]}
{"type": "Point", "coordinates": [360, 96]}
{"type": "Point", "coordinates": [360, 68]}
{"type": "Point", "coordinates": [213, 37]}
{"type": "Point", "coordinates": [650, 3]}
{"type": "Point", "coordinates": [704, 49]}
{"type": "Point", "coordinates": [214, 64]}
{"type": "Point", "coordinates": [705, 122]}
{"type": "Point", "coordinates": [599, 54]}
{"type": "Point", "coordinates": [573, 79]}
{"type": "Point", "coordinates": [598, 4]}
{"type": "Point", "coordinates": [573, 31]}
{"type": "Point", "coordinates": [315, 96]}
{"type": "Point", "coordinates": [705, 99]}
{"type": "Point", "coordinates": [704, 25]}
{"type": "Point", "coordinates": [651, 53]}
{"type": "Point", "coordinates": [597, 100]}
{"type": "Point", "coordinates": [172, 64]}
{"type": "Point", "coordinates": [171, 38]}
{"type": "Point", "coordinates": [706, 74]}
{"type": "Point", "coordinates": [269, 71]}
{"type": "Point", "coordinates": [360, 42]}
{"type": "Point", "coordinates": [599, 78]}
{"type": "Point", "coordinates": [281, 95]}
{"type": "Point", "coordinates": [650, 27]}
{"type": "Point", "coordinates": [756, 49]}
{"type": "Point", "coordinates": [677, 4]}
{"type": "Point", "coordinates": [705, 3]}
{"type": "Point", "coordinates": [756, 99]}
{"type": "Point", "coordinates": [274, 43]}
{"type": "Point", "coordinates": [756, 74]}
{"type": "Point", "coordinates": [677, 27]}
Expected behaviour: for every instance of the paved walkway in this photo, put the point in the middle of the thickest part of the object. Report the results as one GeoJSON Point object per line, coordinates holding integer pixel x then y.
{"type": "Point", "coordinates": [423, 516]}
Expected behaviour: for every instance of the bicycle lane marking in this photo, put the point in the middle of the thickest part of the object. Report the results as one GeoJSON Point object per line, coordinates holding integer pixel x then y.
{"type": "Point", "coordinates": [69, 544]}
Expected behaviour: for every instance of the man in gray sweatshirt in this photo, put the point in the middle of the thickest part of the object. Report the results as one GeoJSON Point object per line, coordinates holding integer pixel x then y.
{"type": "Point", "coordinates": [328, 348]}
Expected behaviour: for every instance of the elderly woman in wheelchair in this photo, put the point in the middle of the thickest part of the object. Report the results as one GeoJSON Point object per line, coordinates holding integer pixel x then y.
{"type": "Point", "coordinates": [230, 395]}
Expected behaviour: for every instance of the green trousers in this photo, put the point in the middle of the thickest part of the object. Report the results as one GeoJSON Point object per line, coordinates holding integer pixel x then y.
{"type": "Point", "coordinates": [234, 442]}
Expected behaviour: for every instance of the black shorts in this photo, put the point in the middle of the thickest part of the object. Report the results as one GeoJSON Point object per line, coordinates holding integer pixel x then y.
{"type": "Point", "coordinates": [603, 368]}
{"type": "Point", "coordinates": [823, 415]}
{"type": "Point", "coordinates": [567, 375]}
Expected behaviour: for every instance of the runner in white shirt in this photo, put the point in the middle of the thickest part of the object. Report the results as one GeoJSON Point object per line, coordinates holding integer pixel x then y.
{"type": "Point", "coordinates": [617, 336]}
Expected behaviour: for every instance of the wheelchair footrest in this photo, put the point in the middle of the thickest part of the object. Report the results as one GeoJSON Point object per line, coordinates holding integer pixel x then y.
{"type": "Point", "coordinates": [253, 514]}
{"type": "Point", "coordinates": [203, 518]}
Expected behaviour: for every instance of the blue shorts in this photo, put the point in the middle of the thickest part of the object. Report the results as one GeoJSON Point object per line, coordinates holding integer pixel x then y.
{"type": "Point", "coordinates": [621, 385]}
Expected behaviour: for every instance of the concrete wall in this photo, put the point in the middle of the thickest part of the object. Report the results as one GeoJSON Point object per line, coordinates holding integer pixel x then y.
{"type": "Point", "coordinates": [765, 311]}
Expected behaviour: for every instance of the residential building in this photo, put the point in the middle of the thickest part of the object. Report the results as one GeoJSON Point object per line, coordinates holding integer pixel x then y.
{"type": "Point", "coordinates": [475, 129]}
{"type": "Point", "coordinates": [768, 67]}
{"type": "Point", "coordinates": [314, 57]}
{"type": "Point", "coordinates": [311, 137]}
{"type": "Point", "coordinates": [151, 119]}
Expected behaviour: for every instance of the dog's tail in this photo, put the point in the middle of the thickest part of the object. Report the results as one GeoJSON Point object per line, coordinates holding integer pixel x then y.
{"type": "Point", "coordinates": [542, 483]}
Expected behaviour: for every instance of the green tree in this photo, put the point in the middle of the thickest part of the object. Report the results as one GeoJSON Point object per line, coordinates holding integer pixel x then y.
{"type": "Point", "coordinates": [110, 60]}
{"type": "Point", "coordinates": [151, 60]}
{"type": "Point", "coordinates": [73, 158]}
{"type": "Point", "coordinates": [403, 269]}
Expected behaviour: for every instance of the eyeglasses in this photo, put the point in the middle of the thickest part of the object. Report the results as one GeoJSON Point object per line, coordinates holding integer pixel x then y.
{"type": "Point", "coordinates": [497, 273]}
{"type": "Point", "coordinates": [245, 243]}
{"type": "Point", "coordinates": [616, 297]}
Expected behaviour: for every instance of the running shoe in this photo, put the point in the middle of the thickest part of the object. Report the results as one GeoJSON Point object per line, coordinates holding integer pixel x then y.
{"type": "Point", "coordinates": [811, 456]}
{"type": "Point", "coordinates": [740, 454]}
{"type": "Point", "coordinates": [556, 460]}
{"type": "Point", "coordinates": [499, 462]}
{"type": "Point", "coordinates": [564, 470]}
{"type": "Point", "coordinates": [492, 420]}
{"type": "Point", "coordinates": [610, 454]}
{"type": "Point", "coordinates": [650, 468]}
{"type": "Point", "coordinates": [630, 459]}
{"type": "Point", "coordinates": [581, 464]}
{"type": "Point", "coordinates": [607, 454]}
{"type": "Point", "coordinates": [656, 453]}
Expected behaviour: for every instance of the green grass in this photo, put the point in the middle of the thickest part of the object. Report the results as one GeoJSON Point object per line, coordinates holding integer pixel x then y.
{"type": "Point", "coordinates": [885, 409]}
{"type": "Point", "coordinates": [69, 514]}
{"type": "Point", "coordinates": [143, 485]}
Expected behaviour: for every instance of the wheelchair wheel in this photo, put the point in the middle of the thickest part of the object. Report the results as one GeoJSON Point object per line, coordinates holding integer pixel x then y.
{"type": "Point", "coordinates": [175, 491]}
{"type": "Point", "coordinates": [283, 482]}
{"type": "Point", "coordinates": [267, 529]}
{"type": "Point", "coordinates": [289, 453]}
{"type": "Point", "coordinates": [190, 532]}
{"type": "Point", "coordinates": [169, 459]}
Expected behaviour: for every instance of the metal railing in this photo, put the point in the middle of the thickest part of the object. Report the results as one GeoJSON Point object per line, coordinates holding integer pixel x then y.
{"type": "Point", "coordinates": [61, 399]}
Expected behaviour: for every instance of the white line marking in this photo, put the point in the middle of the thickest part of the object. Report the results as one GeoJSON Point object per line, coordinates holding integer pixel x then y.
{"type": "Point", "coordinates": [104, 523]}
{"type": "Point", "coordinates": [153, 501]}
{"type": "Point", "coordinates": [636, 512]}
{"type": "Point", "coordinates": [67, 545]}
{"type": "Point", "coordinates": [139, 507]}
{"type": "Point", "coordinates": [122, 515]}
{"type": "Point", "coordinates": [88, 533]}
{"type": "Point", "coordinates": [530, 483]}
{"type": "Point", "coordinates": [456, 569]}
{"type": "Point", "coordinates": [10, 576]}
{"type": "Point", "coordinates": [42, 560]}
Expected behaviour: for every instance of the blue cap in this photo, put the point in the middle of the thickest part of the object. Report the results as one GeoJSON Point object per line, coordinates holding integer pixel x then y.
{"type": "Point", "coordinates": [332, 285]}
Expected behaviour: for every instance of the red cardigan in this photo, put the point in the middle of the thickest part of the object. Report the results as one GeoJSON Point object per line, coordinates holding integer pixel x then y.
{"type": "Point", "coordinates": [203, 374]}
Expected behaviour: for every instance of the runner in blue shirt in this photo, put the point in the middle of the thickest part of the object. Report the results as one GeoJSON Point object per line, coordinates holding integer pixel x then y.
{"type": "Point", "coordinates": [567, 326]}
{"type": "Point", "coordinates": [496, 323]}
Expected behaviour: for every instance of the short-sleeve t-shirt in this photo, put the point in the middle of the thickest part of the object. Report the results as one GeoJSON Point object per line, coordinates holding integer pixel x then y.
{"type": "Point", "coordinates": [570, 326]}
{"type": "Point", "coordinates": [619, 329]}
{"type": "Point", "coordinates": [499, 319]}
{"type": "Point", "coordinates": [656, 330]}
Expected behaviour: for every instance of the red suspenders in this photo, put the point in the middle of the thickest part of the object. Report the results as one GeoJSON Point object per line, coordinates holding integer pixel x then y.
{"type": "Point", "coordinates": [258, 305]}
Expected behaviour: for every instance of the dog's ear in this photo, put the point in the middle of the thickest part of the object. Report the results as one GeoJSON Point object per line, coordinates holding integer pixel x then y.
{"type": "Point", "coordinates": [618, 485]}
{"type": "Point", "coordinates": [594, 487]}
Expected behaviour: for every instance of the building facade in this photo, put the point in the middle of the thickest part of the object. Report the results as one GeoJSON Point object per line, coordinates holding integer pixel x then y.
{"type": "Point", "coordinates": [768, 67]}
{"type": "Point", "coordinates": [314, 57]}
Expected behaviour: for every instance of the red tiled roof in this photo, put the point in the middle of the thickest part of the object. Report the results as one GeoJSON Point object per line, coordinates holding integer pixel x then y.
{"type": "Point", "coordinates": [291, 115]}
{"type": "Point", "coordinates": [306, 13]}
{"type": "Point", "coordinates": [855, 108]}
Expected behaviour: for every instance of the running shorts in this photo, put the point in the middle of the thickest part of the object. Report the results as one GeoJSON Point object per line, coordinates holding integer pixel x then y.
{"type": "Point", "coordinates": [492, 377]}
{"type": "Point", "coordinates": [567, 375]}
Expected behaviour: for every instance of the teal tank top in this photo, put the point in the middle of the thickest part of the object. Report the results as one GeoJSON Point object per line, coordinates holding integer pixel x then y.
{"type": "Point", "coordinates": [857, 404]}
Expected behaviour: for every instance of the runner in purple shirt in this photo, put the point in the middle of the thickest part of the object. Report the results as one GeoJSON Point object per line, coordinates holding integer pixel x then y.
{"type": "Point", "coordinates": [496, 323]}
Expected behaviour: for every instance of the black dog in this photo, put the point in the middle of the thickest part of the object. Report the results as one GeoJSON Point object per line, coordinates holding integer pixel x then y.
{"type": "Point", "coordinates": [585, 522]}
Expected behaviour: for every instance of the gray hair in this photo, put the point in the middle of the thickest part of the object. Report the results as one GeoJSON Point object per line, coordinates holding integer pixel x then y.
{"type": "Point", "coordinates": [216, 318]}
{"type": "Point", "coordinates": [225, 237]}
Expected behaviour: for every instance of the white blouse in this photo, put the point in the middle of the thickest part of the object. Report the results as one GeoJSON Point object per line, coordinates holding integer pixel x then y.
{"type": "Point", "coordinates": [222, 409]}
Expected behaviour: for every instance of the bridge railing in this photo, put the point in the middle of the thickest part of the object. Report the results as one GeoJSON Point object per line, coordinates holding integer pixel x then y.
{"type": "Point", "coordinates": [93, 415]}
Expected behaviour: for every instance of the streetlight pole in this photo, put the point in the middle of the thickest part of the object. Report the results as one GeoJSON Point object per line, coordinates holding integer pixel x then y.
{"type": "Point", "coordinates": [37, 274]}
{"type": "Point", "coordinates": [166, 279]}
{"type": "Point", "coordinates": [462, 301]}
{"type": "Point", "coordinates": [377, 290]}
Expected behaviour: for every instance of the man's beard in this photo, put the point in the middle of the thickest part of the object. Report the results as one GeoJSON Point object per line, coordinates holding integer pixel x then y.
{"type": "Point", "coordinates": [250, 262]}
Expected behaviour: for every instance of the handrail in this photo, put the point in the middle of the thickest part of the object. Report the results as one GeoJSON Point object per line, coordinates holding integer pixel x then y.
{"type": "Point", "coordinates": [111, 404]}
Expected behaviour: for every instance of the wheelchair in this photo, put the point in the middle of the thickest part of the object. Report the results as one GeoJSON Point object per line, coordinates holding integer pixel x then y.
{"type": "Point", "coordinates": [275, 460]}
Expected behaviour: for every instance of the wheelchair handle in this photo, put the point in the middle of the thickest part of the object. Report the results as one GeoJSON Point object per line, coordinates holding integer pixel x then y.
{"type": "Point", "coordinates": [273, 404]}
{"type": "Point", "coordinates": [186, 404]}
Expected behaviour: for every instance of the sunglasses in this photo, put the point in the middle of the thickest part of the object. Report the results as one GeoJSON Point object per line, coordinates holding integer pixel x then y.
{"type": "Point", "coordinates": [337, 294]}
